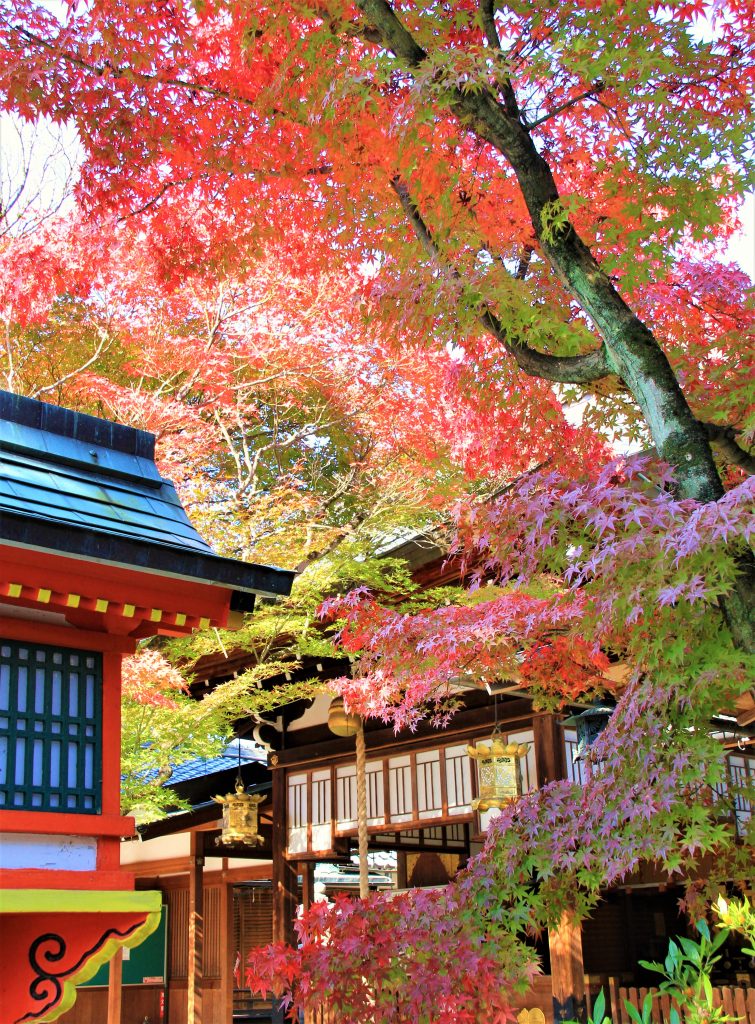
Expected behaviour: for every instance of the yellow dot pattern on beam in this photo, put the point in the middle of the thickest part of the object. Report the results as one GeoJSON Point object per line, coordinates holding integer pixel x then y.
{"type": "Point", "coordinates": [44, 595]}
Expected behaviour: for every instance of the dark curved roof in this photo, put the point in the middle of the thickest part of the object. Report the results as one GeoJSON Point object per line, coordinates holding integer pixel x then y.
{"type": "Point", "coordinates": [82, 486]}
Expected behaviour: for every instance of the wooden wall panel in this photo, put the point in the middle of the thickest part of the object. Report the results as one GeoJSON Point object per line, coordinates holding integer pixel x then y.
{"type": "Point", "coordinates": [252, 919]}
{"type": "Point", "coordinates": [139, 1004]}
{"type": "Point", "coordinates": [177, 1005]}
{"type": "Point", "coordinates": [539, 996]}
{"type": "Point", "coordinates": [212, 1005]}
{"type": "Point", "coordinates": [178, 915]}
{"type": "Point", "coordinates": [90, 1007]}
{"type": "Point", "coordinates": [212, 932]}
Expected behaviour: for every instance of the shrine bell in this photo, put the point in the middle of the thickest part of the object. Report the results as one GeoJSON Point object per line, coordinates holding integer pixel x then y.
{"type": "Point", "coordinates": [499, 772]}
{"type": "Point", "coordinates": [340, 722]}
{"type": "Point", "coordinates": [96, 552]}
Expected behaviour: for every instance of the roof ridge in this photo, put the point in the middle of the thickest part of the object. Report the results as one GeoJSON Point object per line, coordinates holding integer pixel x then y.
{"type": "Point", "coordinates": [54, 419]}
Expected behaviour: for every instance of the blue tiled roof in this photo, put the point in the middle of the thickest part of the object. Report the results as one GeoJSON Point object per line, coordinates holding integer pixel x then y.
{"type": "Point", "coordinates": [90, 486]}
{"type": "Point", "coordinates": [83, 486]}
{"type": "Point", "coordinates": [201, 767]}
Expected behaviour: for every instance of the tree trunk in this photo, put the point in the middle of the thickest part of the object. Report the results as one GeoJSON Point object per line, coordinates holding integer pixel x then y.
{"type": "Point", "coordinates": [632, 350]}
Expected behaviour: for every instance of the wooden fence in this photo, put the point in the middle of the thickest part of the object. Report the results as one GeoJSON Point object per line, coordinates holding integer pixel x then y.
{"type": "Point", "coordinates": [737, 1001]}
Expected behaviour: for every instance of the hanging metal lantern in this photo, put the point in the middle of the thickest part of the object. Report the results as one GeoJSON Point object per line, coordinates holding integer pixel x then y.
{"type": "Point", "coordinates": [589, 725]}
{"type": "Point", "coordinates": [499, 772]}
{"type": "Point", "coordinates": [240, 817]}
{"type": "Point", "coordinates": [340, 722]}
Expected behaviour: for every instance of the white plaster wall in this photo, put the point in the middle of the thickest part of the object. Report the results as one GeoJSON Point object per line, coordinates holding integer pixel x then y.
{"type": "Point", "coordinates": [50, 853]}
{"type": "Point", "coordinates": [160, 848]}
{"type": "Point", "coordinates": [316, 715]}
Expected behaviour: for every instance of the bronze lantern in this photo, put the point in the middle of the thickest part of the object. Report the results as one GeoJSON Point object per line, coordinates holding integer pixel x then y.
{"type": "Point", "coordinates": [499, 772]}
{"type": "Point", "coordinates": [240, 817]}
{"type": "Point", "coordinates": [589, 725]}
{"type": "Point", "coordinates": [340, 722]}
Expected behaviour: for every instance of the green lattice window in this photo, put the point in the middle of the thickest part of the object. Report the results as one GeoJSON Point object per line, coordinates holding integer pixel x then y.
{"type": "Point", "coordinates": [50, 728]}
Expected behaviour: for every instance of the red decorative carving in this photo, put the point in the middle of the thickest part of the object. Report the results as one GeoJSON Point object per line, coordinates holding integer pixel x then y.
{"type": "Point", "coordinates": [45, 955]}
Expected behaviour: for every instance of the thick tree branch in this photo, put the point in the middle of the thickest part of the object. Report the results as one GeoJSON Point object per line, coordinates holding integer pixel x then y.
{"type": "Point", "coordinates": [631, 348]}
{"type": "Point", "coordinates": [725, 439]}
{"type": "Point", "coordinates": [487, 17]}
{"type": "Point", "coordinates": [582, 369]}
{"type": "Point", "coordinates": [523, 265]}
{"type": "Point", "coordinates": [392, 33]}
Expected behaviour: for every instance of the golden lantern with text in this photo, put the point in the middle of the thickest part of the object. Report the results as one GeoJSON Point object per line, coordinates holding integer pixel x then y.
{"type": "Point", "coordinates": [499, 772]}
{"type": "Point", "coordinates": [240, 817]}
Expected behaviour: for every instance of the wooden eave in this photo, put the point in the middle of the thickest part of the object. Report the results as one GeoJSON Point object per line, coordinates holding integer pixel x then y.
{"type": "Point", "coordinates": [307, 746]}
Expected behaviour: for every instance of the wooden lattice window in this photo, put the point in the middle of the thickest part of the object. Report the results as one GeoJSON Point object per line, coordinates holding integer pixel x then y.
{"type": "Point", "coordinates": [50, 728]}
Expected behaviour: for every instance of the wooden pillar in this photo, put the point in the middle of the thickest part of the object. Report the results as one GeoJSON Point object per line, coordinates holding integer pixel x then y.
{"type": "Point", "coordinates": [363, 840]}
{"type": "Point", "coordinates": [565, 942]}
{"type": "Point", "coordinates": [401, 873]}
{"type": "Point", "coordinates": [307, 871]}
{"type": "Point", "coordinates": [114, 990]}
{"type": "Point", "coordinates": [285, 878]}
{"type": "Point", "coordinates": [196, 930]}
{"type": "Point", "coordinates": [550, 752]}
{"type": "Point", "coordinates": [227, 953]}
{"type": "Point", "coordinates": [567, 970]}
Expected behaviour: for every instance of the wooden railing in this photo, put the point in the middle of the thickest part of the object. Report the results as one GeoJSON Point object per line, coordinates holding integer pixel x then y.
{"type": "Point", "coordinates": [737, 1001]}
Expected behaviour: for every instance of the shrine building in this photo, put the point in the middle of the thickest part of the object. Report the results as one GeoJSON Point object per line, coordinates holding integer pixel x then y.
{"type": "Point", "coordinates": [96, 553]}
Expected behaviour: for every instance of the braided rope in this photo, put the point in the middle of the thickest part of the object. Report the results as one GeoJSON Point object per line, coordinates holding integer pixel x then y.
{"type": "Point", "coordinates": [364, 884]}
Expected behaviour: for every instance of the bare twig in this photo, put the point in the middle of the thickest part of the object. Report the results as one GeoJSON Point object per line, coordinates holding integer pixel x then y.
{"type": "Point", "coordinates": [102, 346]}
{"type": "Point", "coordinates": [589, 94]}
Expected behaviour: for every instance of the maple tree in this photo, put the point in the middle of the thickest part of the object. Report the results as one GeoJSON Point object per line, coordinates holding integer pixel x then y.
{"type": "Point", "coordinates": [623, 166]}
{"type": "Point", "coordinates": [391, 961]}
{"type": "Point", "coordinates": [162, 727]}
{"type": "Point", "coordinates": [528, 201]}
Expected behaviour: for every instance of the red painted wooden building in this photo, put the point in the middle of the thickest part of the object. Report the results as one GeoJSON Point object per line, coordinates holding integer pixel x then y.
{"type": "Point", "coordinates": [96, 552]}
